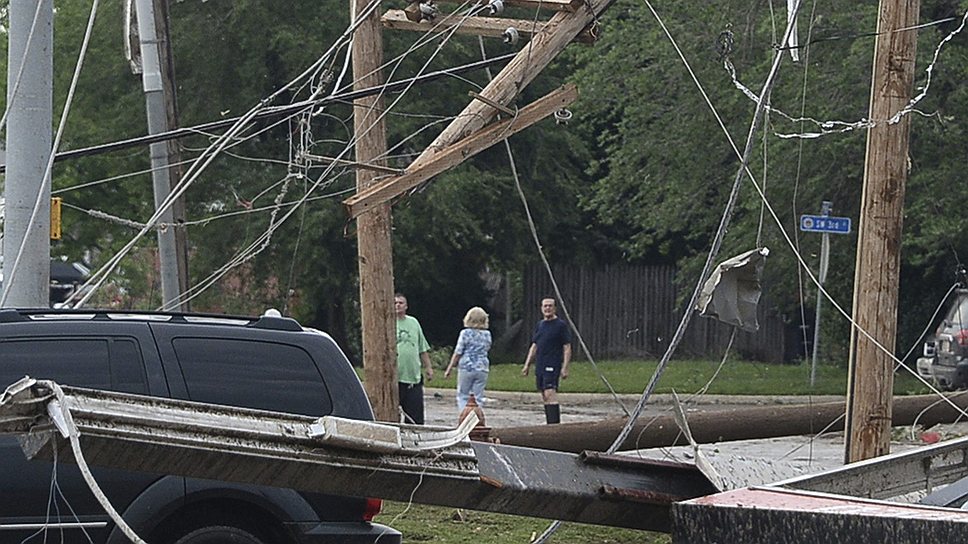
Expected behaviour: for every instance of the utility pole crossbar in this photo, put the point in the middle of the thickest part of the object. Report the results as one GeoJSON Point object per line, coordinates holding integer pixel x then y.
{"type": "Point", "coordinates": [461, 151]}
{"type": "Point", "coordinates": [488, 27]}
{"type": "Point", "coordinates": [551, 5]}
{"type": "Point", "coordinates": [158, 435]}
{"type": "Point", "coordinates": [560, 30]}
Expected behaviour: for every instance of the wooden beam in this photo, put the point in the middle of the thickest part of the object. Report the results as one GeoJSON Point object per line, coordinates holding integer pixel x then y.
{"type": "Point", "coordinates": [513, 78]}
{"type": "Point", "coordinates": [870, 380]}
{"type": "Point", "coordinates": [551, 5]}
{"type": "Point", "coordinates": [488, 27]}
{"type": "Point", "coordinates": [374, 250]}
{"type": "Point", "coordinates": [377, 195]}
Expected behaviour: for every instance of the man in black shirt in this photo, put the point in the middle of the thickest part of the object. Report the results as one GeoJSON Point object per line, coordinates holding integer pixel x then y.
{"type": "Point", "coordinates": [551, 349]}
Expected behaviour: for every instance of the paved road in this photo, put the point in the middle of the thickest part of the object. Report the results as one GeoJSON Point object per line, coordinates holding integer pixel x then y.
{"type": "Point", "coordinates": [509, 409]}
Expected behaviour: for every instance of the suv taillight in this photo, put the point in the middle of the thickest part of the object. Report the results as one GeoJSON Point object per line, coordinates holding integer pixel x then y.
{"type": "Point", "coordinates": [372, 508]}
{"type": "Point", "coordinates": [962, 337]}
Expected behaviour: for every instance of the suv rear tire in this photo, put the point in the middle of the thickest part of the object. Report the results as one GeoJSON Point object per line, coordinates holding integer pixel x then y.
{"type": "Point", "coordinates": [220, 534]}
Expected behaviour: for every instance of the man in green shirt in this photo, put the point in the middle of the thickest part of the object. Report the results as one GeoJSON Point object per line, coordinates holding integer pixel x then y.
{"type": "Point", "coordinates": [412, 348]}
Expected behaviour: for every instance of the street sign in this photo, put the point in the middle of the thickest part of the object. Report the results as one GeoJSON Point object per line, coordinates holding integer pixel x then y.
{"type": "Point", "coordinates": [823, 223]}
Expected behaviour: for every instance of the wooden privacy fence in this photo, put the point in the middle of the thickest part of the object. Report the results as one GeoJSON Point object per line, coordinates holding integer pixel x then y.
{"type": "Point", "coordinates": [631, 311]}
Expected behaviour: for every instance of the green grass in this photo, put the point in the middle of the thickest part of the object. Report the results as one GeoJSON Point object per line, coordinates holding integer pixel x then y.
{"type": "Point", "coordinates": [688, 376]}
{"type": "Point", "coordinates": [437, 524]}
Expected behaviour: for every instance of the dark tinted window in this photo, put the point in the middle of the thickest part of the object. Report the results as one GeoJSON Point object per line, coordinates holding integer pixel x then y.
{"type": "Point", "coordinates": [264, 375]}
{"type": "Point", "coordinates": [127, 367]}
{"type": "Point", "coordinates": [99, 363]}
{"type": "Point", "coordinates": [959, 313]}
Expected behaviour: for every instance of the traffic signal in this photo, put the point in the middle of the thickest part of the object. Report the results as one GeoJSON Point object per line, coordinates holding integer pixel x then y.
{"type": "Point", "coordinates": [55, 218]}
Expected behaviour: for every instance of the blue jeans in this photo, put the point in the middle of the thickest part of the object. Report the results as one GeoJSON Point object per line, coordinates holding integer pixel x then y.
{"type": "Point", "coordinates": [470, 382]}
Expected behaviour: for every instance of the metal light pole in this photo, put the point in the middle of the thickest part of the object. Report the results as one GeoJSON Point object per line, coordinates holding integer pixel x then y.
{"type": "Point", "coordinates": [29, 141]}
{"type": "Point", "coordinates": [151, 78]}
{"type": "Point", "coordinates": [825, 209]}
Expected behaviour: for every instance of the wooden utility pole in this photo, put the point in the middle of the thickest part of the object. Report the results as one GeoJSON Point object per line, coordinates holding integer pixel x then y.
{"type": "Point", "coordinates": [871, 376]}
{"type": "Point", "coordinates": [373, 227]}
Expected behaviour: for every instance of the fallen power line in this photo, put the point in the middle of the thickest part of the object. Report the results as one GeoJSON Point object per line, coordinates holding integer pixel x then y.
{"type": "Point", "coordinates": [273, 112]}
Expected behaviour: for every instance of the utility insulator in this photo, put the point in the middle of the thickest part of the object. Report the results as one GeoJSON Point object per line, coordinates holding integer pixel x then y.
{"type": "Point", "coordinates": [55, 218]}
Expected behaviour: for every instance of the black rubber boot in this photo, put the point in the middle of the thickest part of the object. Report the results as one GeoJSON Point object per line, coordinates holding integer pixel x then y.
{"type": "Point", "coordinates": [552, 413]}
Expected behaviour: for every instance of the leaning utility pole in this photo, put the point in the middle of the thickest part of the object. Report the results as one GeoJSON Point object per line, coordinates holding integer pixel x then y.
{"type": "Point", "coordinates": [373, 228]}
{"type": "Point", "coordinates": [29, 145]}
{"type": "Point", "coordinates": [871, 374]}
{"type": "Point", "coordinates": [155, 101]}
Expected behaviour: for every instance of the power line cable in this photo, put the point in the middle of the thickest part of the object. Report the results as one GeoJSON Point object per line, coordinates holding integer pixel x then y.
{"type": "Point", "coordinates": [96, 279]}
{"type": "Point", "coordinates": [547, 265]}
{"type": "Point", "coordinates": [274, 111]}
{"type": "Point", "coordinates": [258, 245]}
{"type": "Point", "coordinates": [717, 239]}
{"type": "Point", "coordinates": [779, 223]}
{"type": "Point", "coordinates": [828, 127]}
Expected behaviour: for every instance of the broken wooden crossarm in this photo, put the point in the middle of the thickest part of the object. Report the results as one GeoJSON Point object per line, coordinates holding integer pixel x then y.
{"type": "Point", "coordinates": [559, 31]}
{"type": "Point", "coordinates": [488, 27]}
{"type": "Point", "coordinates": [168, 436]}
{"type": "Point", "coordinates": [457, 153]}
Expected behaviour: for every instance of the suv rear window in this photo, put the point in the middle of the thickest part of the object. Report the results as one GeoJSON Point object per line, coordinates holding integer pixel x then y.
{"type": "Point", "coordinates": [264, 375]}
{"type": "Point", "coordinates": [959, 314]}
{"type": "Point", "coordinates": [100, 363]}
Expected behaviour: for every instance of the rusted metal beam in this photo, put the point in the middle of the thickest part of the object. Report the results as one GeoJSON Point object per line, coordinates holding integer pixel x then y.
{"type": "Point", "coordinates": [781, 516]}
{"type": "Point", "coordinates": [252, 446]}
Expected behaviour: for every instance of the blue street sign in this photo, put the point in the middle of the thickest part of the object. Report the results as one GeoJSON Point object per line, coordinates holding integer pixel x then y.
{"type": "Point", "coordinates": [823, 223]}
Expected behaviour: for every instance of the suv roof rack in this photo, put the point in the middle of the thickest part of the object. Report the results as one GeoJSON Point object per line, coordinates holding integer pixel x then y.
{"type": "Point", "coordinates": [9, 315]}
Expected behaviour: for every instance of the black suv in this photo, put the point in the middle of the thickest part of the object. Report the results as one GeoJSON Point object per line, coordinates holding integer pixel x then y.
{"type": "Point", "coordinates": [270, 363]}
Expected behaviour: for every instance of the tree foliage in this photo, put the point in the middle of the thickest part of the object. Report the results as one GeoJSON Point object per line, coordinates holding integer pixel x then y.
{"type": "Point", "coordinates": [662, 167]}
{"type": "Point", "coordinates": [640, 175]}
